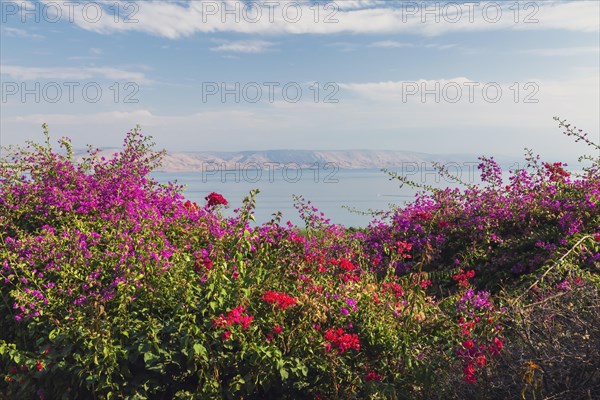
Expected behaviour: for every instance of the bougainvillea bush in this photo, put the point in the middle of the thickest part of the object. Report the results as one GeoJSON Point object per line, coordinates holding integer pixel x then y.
{"type": "Point", "coordinates": [115, 286]}
{"type": "Point", "coordinates": [501, 229]}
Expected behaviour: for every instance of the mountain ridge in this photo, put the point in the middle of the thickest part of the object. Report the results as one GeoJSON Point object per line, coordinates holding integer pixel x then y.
{"type": "Point", "coordinates": [191, 161]}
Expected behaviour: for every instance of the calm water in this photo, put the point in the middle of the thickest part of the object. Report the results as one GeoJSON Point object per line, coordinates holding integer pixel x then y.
{"type": "Point", "coordinates": [329, 191]}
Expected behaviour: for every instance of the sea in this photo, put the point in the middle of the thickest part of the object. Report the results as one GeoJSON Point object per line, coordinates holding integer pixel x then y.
{"type": "Point", "coordinates": [345, 196]}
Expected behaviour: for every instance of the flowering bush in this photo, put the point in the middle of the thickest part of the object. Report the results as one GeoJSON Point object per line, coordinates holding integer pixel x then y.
{"type": "Point", "coordinates": [114, 286]}
{"type": "Point", "coordinates": [501, 230]}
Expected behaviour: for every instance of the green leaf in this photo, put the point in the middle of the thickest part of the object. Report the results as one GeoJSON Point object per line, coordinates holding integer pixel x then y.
{"type": "Point", "coordinates": [284, 373]}
{"type": "Point", "coordinates": [200, 350]}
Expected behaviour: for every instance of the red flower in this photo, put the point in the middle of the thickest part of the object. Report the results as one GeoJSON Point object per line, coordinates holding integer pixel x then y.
{"type": "Point", "coordinates": [203, 263]}
{"type": "Point", "coordinates": [597, 237]}
{"type": "Point", "coordinates": [556, 172]}
{"type": "Point", "coordinates": [496, 347]}
{"type": "Point", "coordinates": [469, 373]}
{"type": "Point", "coordinates": [468, 344]}
{"type": "Point", "coordinates": [403, 248]}
{"type": "Point", "coordinates": [396, 288]}
{"type": "Point", "coordinates": [277, 329]}
{"type": "Point", "coordinates": [423, 215]}
{"type": "Point", "coordinates": [373, 376]}
{"type": "Point", "coordinates": [375, 298]}
{"type": "Point", "coordinates": [214, 199]}
{"type": "Point", "coordinates": [190, 206]}
{"type": "Point", "coordinates": [480, 360]}
{"type": "Point", "coordinates": [39, 365]}
{"type": "Point", "coordinates": [342, 340]}
{"type": "Point", "coordinates": [282, 300]}
{"type": "Point", "coordinates": [425, 283]}
{"type": "Point", "coordinates": [225, 335]}
{"type": "Point", "coordinates": [245, 321]}
{"type": "Point", "coordinates": [235, 316]}
{"type": "Point", "coordinates": [463, 278]}
{"type": "Point", "coordinates": [346, 265]}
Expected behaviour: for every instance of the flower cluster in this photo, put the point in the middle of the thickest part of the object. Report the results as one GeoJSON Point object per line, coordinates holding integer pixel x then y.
{"type": "Point", "coordinates": [341, 340]}
{"type": "Point", "coordinates": [373, 376]}
{"type": "Point", "coordinates": [556, 172]}
{"type": "Point", "coordinates": [191, 207]}
{"type": "Point", "coordinates": [237, 316]}
{"type": "Point", "coordinates": [404, 248]}
{"type": "Point", "coordinates": [215, 199]}
{"type": "Point", "coordinates": [281, 300]}
{"type": "Point", "coordinates": [344, 264]}
{"type": "Point", "coordinates": [463, 277]}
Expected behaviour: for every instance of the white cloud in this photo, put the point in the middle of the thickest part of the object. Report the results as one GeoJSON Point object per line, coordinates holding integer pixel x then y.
{"type": "Point", "coordinates": [20, 33]}
{"type": "Point", "coordinates": [403, 90]}
{"type": "Point", "coordinates": [562, 51]}
{"type": "Point", "coordinates": [354, 4]}
{"type": "Point", "coordinates": [42, 73]}
{"type": "Point", "coordinates": [181, 19]}
{"type": "Point", "coordinates": [94, 55]}
{"type": "Point", "coordinates": [344, 46]}
{"type": "Point", "coordinates": [244, 46]}
{"type": "Point", "coordinates": [391, 44]}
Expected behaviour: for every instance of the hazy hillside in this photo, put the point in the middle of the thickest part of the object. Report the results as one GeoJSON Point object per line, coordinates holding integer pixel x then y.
{"type": "Point", "coordinates": [195, 161]}
{"type": "Point", "coordinates": [179, 161]}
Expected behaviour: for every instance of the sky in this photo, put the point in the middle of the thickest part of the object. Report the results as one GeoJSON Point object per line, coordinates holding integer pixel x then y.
{"type": "Point", "coordinates": [434, 77]}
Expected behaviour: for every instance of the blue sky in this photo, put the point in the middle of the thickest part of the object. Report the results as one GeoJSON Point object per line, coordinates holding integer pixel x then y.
{"type": "Point", "coordinates": [170, 57]}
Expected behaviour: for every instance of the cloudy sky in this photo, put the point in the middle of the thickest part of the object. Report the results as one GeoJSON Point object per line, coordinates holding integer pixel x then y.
{"type": "Point", "coordinates": [437, 77]}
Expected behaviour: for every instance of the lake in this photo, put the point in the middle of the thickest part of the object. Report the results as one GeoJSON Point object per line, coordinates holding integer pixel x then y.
{"type": "Point", "coordinates": [329, 190]}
